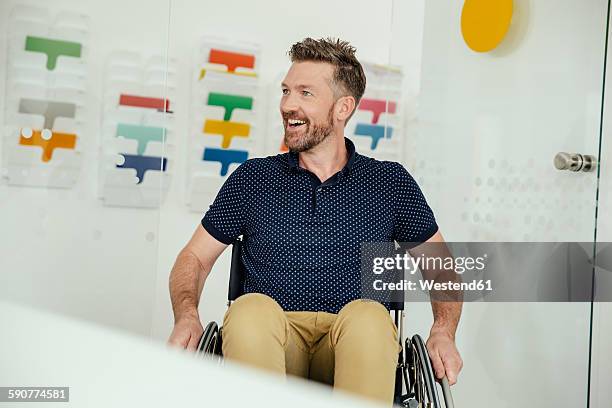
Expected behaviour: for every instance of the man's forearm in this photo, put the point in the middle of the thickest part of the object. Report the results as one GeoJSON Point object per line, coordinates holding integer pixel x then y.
{"type": "Point", "coordinates": [446, 312]}
{"type": "Point", "coordinates": [186, 283]}
{"type": "Point", "coordinates": [446, 316]}
{"type": "Point", "coordinates": [446, 304]}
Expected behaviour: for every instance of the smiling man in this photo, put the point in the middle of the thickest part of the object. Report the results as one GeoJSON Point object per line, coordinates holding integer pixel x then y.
{"type": "Point", "coordinates": [303, 216]}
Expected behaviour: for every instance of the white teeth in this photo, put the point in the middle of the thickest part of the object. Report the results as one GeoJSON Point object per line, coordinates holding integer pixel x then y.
{"type": "Point", "coordinates": [296, 122]}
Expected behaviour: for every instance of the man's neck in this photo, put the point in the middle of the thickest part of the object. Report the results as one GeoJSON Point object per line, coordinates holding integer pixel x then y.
{"type": "Point", "coordinates": [327, 158]}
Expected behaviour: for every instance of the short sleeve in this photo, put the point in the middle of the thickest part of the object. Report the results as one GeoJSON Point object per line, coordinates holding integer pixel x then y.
{"type": "Point", "coordinates": [414, 219]}
{"type": "Point", "coordinates": [225, 218]}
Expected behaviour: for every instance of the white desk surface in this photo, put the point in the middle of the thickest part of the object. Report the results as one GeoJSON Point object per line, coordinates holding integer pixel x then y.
{"type": "Point", "coordinates": [105, 368]}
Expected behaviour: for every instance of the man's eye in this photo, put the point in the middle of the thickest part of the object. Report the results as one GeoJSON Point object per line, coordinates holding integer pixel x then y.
{"type": "Point", "coordinates": [306, 93]}
{"type": "Point", "coordinates": [285, 92]}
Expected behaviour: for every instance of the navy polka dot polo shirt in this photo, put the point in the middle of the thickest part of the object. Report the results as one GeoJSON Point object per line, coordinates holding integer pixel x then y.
{"type": "Point", "coordinates": [302, 238]}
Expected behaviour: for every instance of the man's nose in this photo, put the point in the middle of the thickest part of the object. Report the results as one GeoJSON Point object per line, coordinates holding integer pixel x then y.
{"type": "Point", "coordinates": [288, 104]}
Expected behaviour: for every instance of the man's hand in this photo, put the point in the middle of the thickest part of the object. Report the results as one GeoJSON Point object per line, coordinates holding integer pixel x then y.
{"type": "Point", "coordinates": [186, 333]}
{"type": "Point", "coordinates": [444, 356]}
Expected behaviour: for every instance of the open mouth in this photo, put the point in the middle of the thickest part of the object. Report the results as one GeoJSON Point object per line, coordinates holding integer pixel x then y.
{"type": "Point", "coordinates": [295, 123]}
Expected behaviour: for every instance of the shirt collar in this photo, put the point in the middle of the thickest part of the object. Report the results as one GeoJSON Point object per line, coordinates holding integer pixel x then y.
{"type": "Point", "coordinates": [350, 147]}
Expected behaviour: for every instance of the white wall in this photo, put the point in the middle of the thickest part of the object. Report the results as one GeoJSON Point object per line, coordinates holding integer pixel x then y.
{"type": "Point", "coordinates": [62, 250]}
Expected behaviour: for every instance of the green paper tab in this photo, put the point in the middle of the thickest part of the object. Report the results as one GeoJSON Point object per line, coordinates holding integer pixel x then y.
{"type": "Point", "coordinates": [53, 49]}
{"type": "Point", "coordinates": [230, 102]}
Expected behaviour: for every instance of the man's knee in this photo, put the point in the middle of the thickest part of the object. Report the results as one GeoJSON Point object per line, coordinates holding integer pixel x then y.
{"type": "Point", "coordinates": [365, 312]}
{"type": "Point", "coordinates": [255, 332]}
{"type": "Point", "coordinates": [365, 321]}
{"type": "Point", "coordinates": [255, 318]}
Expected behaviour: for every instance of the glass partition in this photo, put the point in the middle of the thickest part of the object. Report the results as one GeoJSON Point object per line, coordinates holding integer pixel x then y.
{"type": "Point", "coordinates": [504, 88]}
{"type": "Point", "coordinates": [601, 325]}
{"type": "Point", "coordinates": [85, 118]}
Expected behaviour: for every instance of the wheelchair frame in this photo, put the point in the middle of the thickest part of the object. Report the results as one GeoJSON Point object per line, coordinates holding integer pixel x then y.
{"type": "Point", "coordinates": [414, 372]}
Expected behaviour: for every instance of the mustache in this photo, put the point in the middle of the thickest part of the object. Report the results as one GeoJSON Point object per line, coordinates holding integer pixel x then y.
{"type": "Point", "coordinates": [293, 115]}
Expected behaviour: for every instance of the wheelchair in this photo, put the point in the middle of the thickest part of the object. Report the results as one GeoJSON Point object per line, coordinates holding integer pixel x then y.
{"type": "Point", "coordinates": [415, 384]}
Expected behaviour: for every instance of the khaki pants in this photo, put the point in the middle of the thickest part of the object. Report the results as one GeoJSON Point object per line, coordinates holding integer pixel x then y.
{"type": "Point", "coordinates": [355, 350]}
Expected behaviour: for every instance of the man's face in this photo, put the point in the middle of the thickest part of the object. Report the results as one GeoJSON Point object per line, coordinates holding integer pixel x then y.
{"type": "Point", "coordinates": [307, 105]}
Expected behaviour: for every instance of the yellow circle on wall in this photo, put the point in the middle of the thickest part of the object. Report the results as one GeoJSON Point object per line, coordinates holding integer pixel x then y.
{"type": "Point", "coordinates": [484, 23]}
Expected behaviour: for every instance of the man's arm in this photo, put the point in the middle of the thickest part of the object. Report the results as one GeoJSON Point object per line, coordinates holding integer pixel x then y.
{"type": "Point", "coordinates": [441, 342]}
{"type": "Point", "coordinates": [192, 266]}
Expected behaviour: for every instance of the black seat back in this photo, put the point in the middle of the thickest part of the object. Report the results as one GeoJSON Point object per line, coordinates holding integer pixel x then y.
{"type": "Point", "coordinates": [396, 305]}
{"type": "Point", "coordinates": [237, 274]}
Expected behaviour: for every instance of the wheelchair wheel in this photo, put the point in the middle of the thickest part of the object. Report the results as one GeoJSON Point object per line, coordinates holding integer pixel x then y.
{"type": "Point", "coordinates": [419, 378]}
{"type": "Point", "coordinates": [210, 342]}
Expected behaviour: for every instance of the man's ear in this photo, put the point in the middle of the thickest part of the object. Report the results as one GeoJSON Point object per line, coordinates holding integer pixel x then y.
{"type": "Point", "coordinates": [345, 106]}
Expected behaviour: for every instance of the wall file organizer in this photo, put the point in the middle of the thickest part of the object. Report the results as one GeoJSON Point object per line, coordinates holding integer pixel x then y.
{"type": "Point", "coordinates": [221, 56]}
{"type": "Point", "coordinates": [137, 131]}
{"type": "Point", "coordinates": [45, 104]}
{"type": "Point", "coordinates": [376, 126]}
{"type": "Point", "coordinates": [226, 116]}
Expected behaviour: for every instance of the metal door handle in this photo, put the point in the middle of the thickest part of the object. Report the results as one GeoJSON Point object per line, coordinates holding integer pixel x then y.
{"type": "Point", "coordinates": [575, 162]}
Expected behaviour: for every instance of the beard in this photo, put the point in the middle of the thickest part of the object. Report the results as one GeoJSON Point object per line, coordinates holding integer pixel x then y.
{"type": "Point", "coordinates": [312, 136]}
